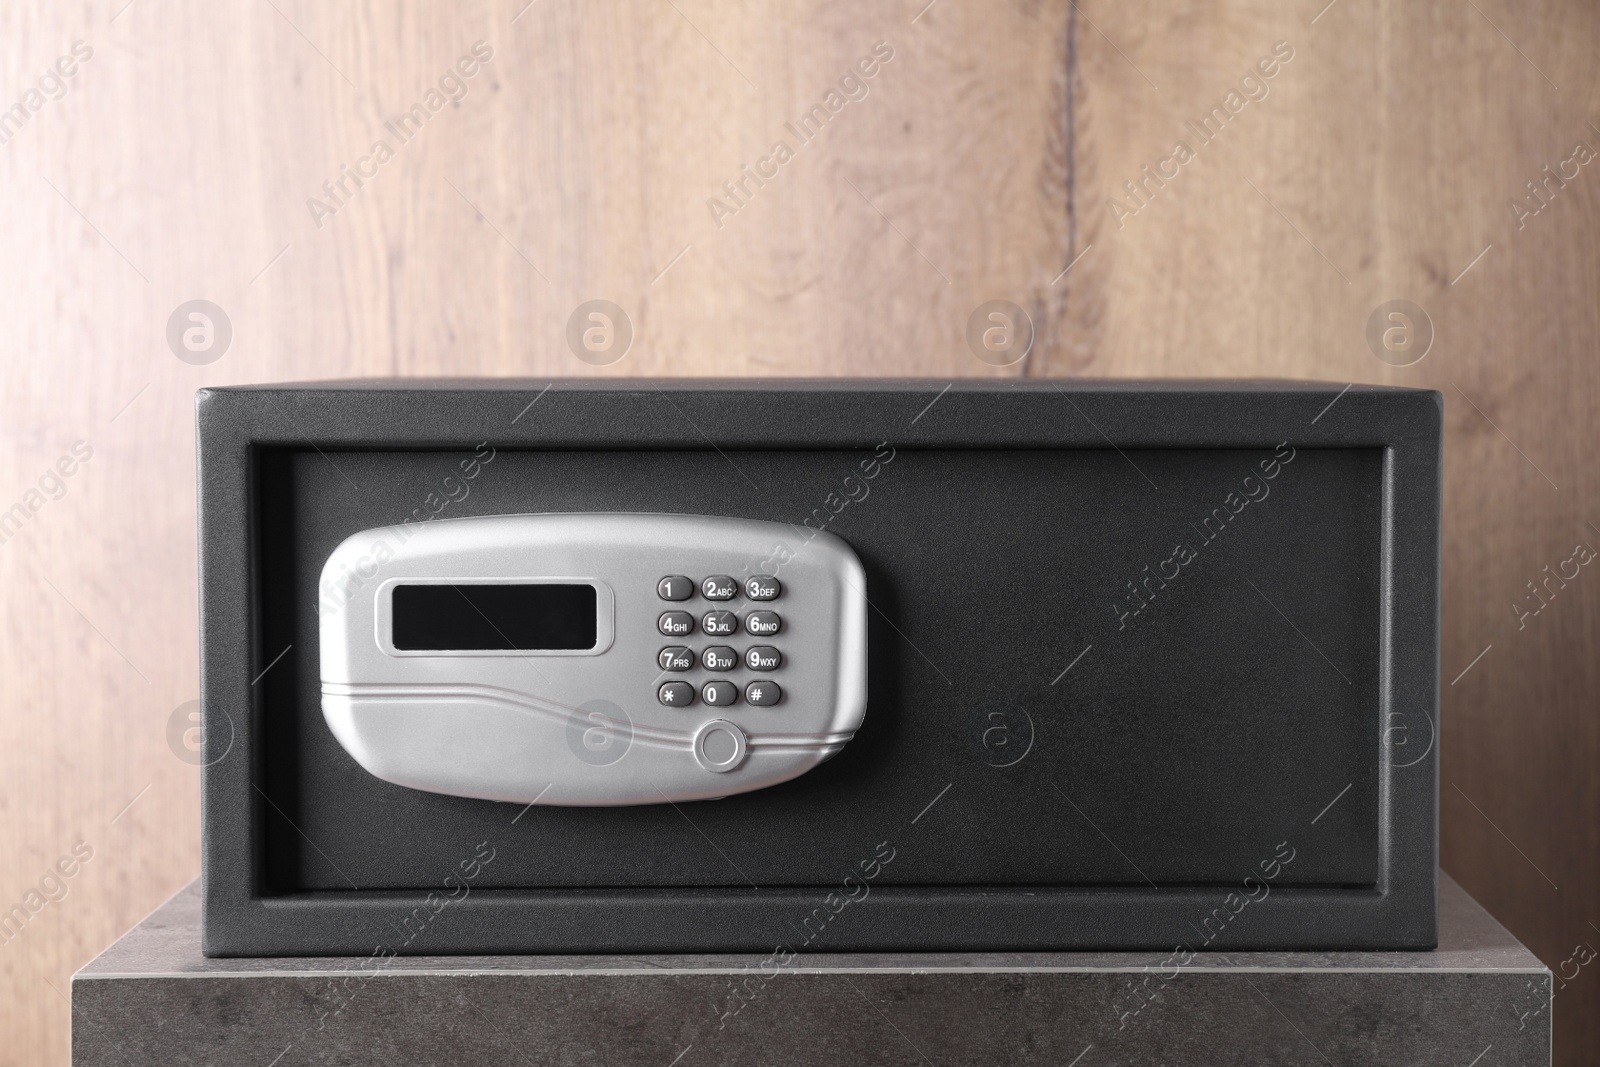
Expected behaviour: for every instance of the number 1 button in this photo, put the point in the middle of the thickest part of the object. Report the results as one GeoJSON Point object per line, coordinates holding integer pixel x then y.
{"type": "Point", "coordinates": [675, 587]}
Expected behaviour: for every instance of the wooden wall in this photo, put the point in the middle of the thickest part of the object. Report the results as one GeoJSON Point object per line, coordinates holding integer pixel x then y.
{"type": "Point", "coordinates": [1380, 161]}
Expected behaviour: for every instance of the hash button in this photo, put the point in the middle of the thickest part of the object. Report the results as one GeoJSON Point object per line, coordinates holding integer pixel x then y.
{"type": "Point", "coordinates": [762, 694]}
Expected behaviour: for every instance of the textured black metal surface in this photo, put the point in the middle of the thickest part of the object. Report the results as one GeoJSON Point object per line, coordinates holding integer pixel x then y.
{"type": "Point", "coordinates": [1276, 697]}
{"type": "Point", "coordinates": [997, 568]}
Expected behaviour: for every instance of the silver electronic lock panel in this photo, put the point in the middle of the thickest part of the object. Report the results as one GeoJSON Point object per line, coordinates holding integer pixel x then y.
{"type": "Point", "coordinates": [592, 659]}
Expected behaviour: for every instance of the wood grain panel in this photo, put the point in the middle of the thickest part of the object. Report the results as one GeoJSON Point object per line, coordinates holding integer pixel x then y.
{"type": "Point", "coordinates": [982, 161]}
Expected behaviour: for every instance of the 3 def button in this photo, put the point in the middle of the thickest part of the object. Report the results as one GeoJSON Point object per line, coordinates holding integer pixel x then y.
{"type": "Point", "coordinates": [762, 587]}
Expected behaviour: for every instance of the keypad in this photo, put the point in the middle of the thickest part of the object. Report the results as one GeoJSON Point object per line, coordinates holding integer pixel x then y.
{"type": "Point", "coordinates": [675, 587]}
{"type": "Point", "coordinates": [676, 694]}
{"type": "Point", "coordinates": [719, 587]}
{"type": "Point", "coordinates": [720, 623]}
{"type": "Point", "coordinates": [761, 623]}
{"type": "Point", "coordinates": [719, 658]}
{"type": "Point", "coordinates": [762, 587]}
{"type": "Point", "coordinates": [763, 658]}
{"type": "Point", "coordinates": [676, 658]}
{"type": "Point", "coordinates": [719, 693]}
{"type": "Point", "coordinates": [762, 694]}
{"type": "Point", "coordinates": [676, 623]}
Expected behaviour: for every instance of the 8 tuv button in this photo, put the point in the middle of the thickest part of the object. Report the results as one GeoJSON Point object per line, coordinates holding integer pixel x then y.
{"type": "Point", "coordinates": [719, 658]}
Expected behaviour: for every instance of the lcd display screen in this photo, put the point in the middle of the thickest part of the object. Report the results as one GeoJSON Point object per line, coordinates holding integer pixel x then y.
{"type": "Point", "coordinates": [494, 618]}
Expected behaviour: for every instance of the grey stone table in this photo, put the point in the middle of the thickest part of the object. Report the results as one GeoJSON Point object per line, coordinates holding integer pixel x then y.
{"type": "Point", "coordinates": [1481, 999]}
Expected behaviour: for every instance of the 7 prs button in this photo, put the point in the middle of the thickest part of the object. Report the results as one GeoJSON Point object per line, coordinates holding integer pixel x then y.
{"type": "Point", "coordinates": [676, 658]}
{"type": "Point", "coordinates": [761, 623]}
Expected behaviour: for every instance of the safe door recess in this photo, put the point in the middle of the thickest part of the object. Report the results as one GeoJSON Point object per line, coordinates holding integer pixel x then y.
{"type": "Point", "coordinates": [1141, 665]}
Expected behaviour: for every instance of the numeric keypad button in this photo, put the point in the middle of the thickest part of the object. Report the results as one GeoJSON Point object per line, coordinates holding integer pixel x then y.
{"type": "Point", "coordinates": [675, 658]}
{"type": "Point", "coordinates": [763, 658]}
{"type": "Point", "coordinates": [676, 623]}
{"type": "Point", "coordinates": [762, 694]}
{"type": "Point", "coordinates": [720, 623]}
{"type": "Point", "coordinates": [719, 587]}
{"type": "Point", "coordinates": [719, 694]}
{"type": "Point", "coordinates": [762, 587]}
{"type": "Point", "coordinates": [675, 587]}
{"type": "Point", "coordinates": [719, 658]}
{"type": "Point", "coordinates": [761, 623]}
{"type": "Point", "coordinates": [676, 694]}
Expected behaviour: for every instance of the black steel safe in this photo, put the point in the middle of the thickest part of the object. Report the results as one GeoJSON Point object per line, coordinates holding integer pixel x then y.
{"type": "Point", "coordinates": [1151, 665]}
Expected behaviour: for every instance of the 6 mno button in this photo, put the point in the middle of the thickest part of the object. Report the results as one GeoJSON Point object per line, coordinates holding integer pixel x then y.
{"type": "Point", "coordinates": [719, 746]}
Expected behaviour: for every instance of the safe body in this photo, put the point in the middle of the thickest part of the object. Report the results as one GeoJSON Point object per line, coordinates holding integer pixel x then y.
{"type": "Point", "coordinates": [1148, 665]}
